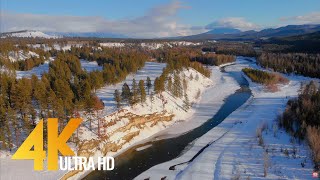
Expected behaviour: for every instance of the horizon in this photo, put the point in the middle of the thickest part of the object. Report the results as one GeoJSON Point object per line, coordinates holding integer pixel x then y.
{"type": "Point", "coordinates": [154, 19]}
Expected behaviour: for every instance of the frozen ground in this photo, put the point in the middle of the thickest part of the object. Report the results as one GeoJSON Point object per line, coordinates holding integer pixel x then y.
{"type": "Point", "coordinates": [38, 71]}
{"type": "Point", "coordinates": [43, 68]}
{"type": "Point", "coordinates": [233, 150]}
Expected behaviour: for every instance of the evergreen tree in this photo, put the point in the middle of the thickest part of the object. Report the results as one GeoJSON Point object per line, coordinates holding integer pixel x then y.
{"type": "Point", "coordinates": [149, 84]}
{"type": "Point", "coordinates": [126, 93]}
{"type": "Point", "coordinates": [117, 98]}
{"type": "Point", "coordinates": [177, 89]}
{"type": "Point", "coordinates": [184, 84]}
{"type": "Point", "coordinates": [169, 85]}
{"type": "Point", "coordinates": [156, 85]}
{"type": "Point", "coordinates": [135, 94]}
{"type": "Point", "coordinates": [142, 91]}
{"type": "Point", "coordinates": [186, 102]}
{"type": "Point", "coordinates": [151, 99]}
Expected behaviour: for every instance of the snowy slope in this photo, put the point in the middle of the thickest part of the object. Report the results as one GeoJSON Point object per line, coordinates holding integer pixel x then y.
{"type": "Point", "coordinates": [20, 55]}
{"type": "Point", "coordinates": [142, 121]}
{"type": "Point", "coordinates": [151, 69]}
{"type": "Point", "coordinates": [28, 34]}
{"type": "Point", "coordinates": [234, 151]}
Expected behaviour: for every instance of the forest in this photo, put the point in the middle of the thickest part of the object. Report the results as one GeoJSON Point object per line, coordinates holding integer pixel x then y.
{"type": "Point", "coordinates": [264, 77]}
{"type": "Point", "coordinates": [63, 92]}
{"type": "Point", "coordinates": [67, 90]}
{"type": "Point", "coordinates": [298, 63]}
{"type": "Point", "coordinates": [231, 48]}
{"type": "Point", "coordinates": [301, 118]}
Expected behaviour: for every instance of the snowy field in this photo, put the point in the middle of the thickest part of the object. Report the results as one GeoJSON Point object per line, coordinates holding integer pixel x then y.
{"type": "Point", "coordinates": [151, 69]}
{"type": "Point", "coordinates": [234, 152]}
{"type": "Point", "coordinates": [43, 68]}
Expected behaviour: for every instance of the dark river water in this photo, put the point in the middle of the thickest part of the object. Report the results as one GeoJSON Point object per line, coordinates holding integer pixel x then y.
{"type": "Point", "coordinates": [132, 163]}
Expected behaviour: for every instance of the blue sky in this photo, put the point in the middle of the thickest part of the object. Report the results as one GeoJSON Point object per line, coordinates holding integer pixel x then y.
{"type": "Point", "coordinates": [179, 17]}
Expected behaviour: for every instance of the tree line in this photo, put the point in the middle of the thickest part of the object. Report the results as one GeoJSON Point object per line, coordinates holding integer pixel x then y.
{"type": "Point", "coordinates": [231, 48]}
{"type": "Point", "coordinates": [264, 77]}
{"type": "Point", "coordinates": [301, 118]}
{"type": "Point", "coordinates": [298, 63]}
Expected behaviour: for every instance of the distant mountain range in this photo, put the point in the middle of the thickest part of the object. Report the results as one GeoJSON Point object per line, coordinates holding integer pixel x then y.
{"type": "Point", "coordinates": [223, 31]}
{"type": "Point", "coordinates": [89, 34]}
{"type": "Point", "coordinates": [214, 34]}
{"type": "Point", "coordinates": [290, 30]}
{"type": "Point", "coordinates": [50, 35]}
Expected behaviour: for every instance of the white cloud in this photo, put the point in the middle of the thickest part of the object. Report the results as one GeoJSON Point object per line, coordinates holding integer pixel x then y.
{"type": "Point", "coordinates": [233, 22]}
{"type": "Point", "coordinates": [160, 21]}
{"type": "Point", "coordinates": [311, 18]}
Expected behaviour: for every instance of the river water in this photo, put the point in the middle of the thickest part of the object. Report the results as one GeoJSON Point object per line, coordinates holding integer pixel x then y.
{"type": "Point", "coordinates": [132, 163]}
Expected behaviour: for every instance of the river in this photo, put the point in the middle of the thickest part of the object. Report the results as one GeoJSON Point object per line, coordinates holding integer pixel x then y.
{"type": "Point", "coordinates": [132, 163]}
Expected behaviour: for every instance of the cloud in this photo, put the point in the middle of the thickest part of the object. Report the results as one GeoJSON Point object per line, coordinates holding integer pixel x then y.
{"type": "Point", "coordinates": [311, 18]}
{"type": "Point", "coordinates": [160, 21]}
{"type": "Point", "coordinates": [233, 22]}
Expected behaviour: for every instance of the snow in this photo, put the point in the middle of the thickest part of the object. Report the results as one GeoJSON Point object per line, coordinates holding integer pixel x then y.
{"type": "Point", "coordinates": [38, 71]}
{"type": "Point", "coordinates": [151, 70]}
{"type": "Point", "coordinates": [164, 105]}
{"type": "Point", "coordinates": [20, 55]}
{"type": "Point", "coordinates": [111, 44]}
{"type": "Point", "coordinates": [150, 45]}
{"type": "Point", "coordinates": [143, 147]}
{"type": "Point", "coordinates": [90, 66]}
{"type": "Point", "coordinates": [29, 34]}
{"type": "Point", "coordinates": [234, 152]}
{"type": "Point", "coordinates": [209, 104]}
{"type": "Point", "coordinates": [234, 149]}
{"type": "Point", "coordinates": [44, 68]}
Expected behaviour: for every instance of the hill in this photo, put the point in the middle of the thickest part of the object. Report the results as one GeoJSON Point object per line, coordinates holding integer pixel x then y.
{"type": "Point", "coordinates": [28, 34]}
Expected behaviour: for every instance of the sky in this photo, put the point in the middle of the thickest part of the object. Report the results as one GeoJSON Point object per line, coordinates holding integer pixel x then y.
{"type": "Point", "coordinates": [154, 18]}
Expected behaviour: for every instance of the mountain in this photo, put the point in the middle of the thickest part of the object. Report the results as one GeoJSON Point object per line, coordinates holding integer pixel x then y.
{"type": "Point", "coordinates": [28, 34]}
{"type": "Point", "coordinates": [223, 31]}
{"type": "Point", "coordinates": [306, 43]}
{"type": "Point", "coordinates": [49, 35]}
{"type": "Point", "coordinates": [89, 34]}
{"type": "Point", "coordinates": [290, 30]}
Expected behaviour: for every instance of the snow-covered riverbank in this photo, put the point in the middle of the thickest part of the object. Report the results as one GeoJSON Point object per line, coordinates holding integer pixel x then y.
{"type": "Point", "coordinates": [172, 107]}
{"type": "Point", "coordinates": [233, 150]}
